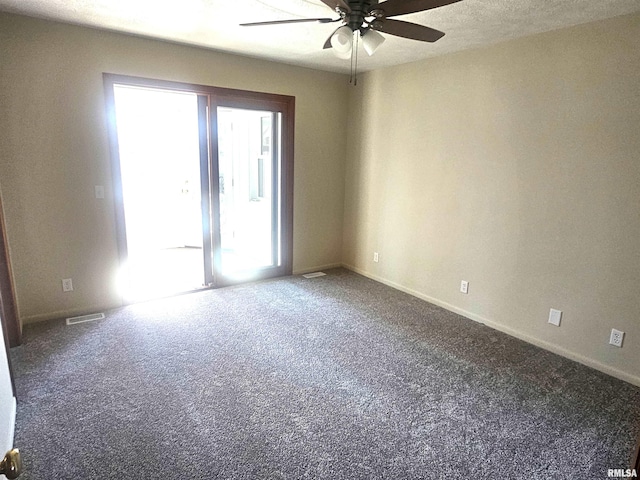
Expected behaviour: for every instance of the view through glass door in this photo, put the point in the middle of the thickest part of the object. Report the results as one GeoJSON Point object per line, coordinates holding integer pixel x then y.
{"type": "Point", "coordinates": [248, 160]}
{"type": "Point", "coordinates": [160, 171]}
{"type": "Point", "coordinates": [202, 182]}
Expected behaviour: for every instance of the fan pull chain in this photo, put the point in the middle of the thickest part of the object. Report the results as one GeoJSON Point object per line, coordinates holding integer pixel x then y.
{"type": "Point", "coordinates": [353, 49]}
{"type": "Point", "coordinates": [353, 80]}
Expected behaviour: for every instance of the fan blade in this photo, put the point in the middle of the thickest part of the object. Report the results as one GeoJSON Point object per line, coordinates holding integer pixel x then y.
{"type": "Point", "coordinates": [403, 7]}
{"type": "Point", "coordinates": [335, 4]}
{"type": "Point", "coordinates": [298, 20]}
{"type": "Point", "coordinates": [407, 30]}
{"type": "Point", "coordinates": [327, 44]}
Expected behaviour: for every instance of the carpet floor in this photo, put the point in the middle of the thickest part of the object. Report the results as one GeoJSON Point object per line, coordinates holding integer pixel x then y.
{"type": "Point", "coordinates": [337, 377]}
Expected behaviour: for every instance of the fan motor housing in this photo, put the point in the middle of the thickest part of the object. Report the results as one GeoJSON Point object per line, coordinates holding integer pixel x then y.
{"type": "Point", "coordinates": [359, 10]}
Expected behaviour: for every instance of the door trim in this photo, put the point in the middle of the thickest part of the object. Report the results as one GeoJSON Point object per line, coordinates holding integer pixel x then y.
{"type": "Point", "coordinates": [8, 311]}
{"type": "Point", "coordinates": [11, 328]}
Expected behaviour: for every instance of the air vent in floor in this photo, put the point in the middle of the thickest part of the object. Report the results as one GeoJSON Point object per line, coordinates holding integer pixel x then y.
{"type": "Point", "coordinates": [314, 275]}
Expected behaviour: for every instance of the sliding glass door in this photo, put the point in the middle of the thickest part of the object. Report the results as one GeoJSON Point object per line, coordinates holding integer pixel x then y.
{"type": "Point", "coordinates": [202, 183]}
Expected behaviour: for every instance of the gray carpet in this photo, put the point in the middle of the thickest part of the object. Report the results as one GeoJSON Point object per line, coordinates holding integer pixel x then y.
{"type": "Point", "coordinates": [333, 377]}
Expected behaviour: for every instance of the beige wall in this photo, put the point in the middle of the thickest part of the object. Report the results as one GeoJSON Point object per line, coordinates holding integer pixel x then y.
{"type": "Point", "coordinates": [54, 149]}
{"type": "Point", "coordinates": [516, 168]}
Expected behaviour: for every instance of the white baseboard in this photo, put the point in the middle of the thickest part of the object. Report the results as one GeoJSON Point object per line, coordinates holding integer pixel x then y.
{"type": "Point", "coordinates": [590, 362]}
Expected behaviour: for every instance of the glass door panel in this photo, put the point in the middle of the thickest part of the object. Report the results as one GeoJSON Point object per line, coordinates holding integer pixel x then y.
{"type": "Point", "coordinates": [248, 169]}
{"type": "Point", "coordinates": [158, 137]}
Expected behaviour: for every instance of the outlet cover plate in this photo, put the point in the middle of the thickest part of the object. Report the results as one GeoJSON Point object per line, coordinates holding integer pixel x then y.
{"type": "Point", "coordinates": [67, 285]}
{"type": "Point", "coordinates": [555, 316]}
{"type": "Point", "coordinates": [616, 338]}
{"type": "Point", "coordinates": [464, 286]}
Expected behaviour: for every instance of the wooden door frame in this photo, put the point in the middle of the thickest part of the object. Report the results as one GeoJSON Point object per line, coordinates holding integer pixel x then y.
{"type": "Point", "coordinates": [281, 103]}
{"type": "Point", "coordinates": [11, 328]}
{"type": "Point", "coordinates": [10, 320]}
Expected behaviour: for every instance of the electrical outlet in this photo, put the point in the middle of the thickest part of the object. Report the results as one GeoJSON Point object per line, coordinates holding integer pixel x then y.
{"type": "Point", "coordinates": [555, 316]}
{"type": "Point", "coordinates": [376, 257]}
{"type": "Point", "coordinates": [464, 286]}
{"type": "Point", "coordinates": [616, 338]}
{"type": "Point", "coordinates": [67, 285]}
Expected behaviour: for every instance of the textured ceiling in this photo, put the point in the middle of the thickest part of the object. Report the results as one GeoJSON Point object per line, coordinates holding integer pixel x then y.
{"type": "Point", "coordinates": [214, 24]}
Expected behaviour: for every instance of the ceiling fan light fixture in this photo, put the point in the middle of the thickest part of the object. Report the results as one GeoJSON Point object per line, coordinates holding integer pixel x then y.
{"type": "Point", "coordinates": [371, 40]}
{"type": "Point", "coordinates": [342, 41]}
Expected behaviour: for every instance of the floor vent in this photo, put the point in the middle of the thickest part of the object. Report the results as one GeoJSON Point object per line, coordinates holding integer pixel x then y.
{"type": "Point", "coordinates": [314, 275]}
{"type": "Point", "coordinates": [85, 318]}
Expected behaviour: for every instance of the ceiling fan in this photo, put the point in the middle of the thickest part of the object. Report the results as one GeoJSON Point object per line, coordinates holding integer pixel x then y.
{"type": "Point", "coordinates": [368, 17]}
